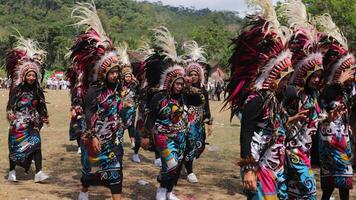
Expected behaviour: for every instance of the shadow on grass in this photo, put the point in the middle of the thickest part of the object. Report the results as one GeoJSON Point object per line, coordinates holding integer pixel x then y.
{"type": "Point", "coordinates": [70, 147]}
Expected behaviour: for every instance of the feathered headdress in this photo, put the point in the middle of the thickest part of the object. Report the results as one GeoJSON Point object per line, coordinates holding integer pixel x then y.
{"type": "Point", "coordinates": [146, 50]}
{"type": "Point", "coordinates": [303, 43]}
{"type": "Point", "coordinates": [337, 57]}
{"type": "Point", "coordinates": [23, 58]}
{"type": "Point", "coordinates": [168, 59]}
{"type": "Point", "coordinates": [124, 59]}
{"type": "Point", "coordinates": [164, 43]}
{"type": "Point", "coordinates": [93, 54]}
{"type": "Point", "coordinates": [259, 57]}
{"type": "Point", "coordinates": [195, 58]}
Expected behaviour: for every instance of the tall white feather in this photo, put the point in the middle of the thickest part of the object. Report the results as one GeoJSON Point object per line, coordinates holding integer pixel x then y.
{"type": "Point", "coordinates": [195, 52]}
{"type": "Point", "coordinates": [122, 51]}
{"type": "Point", "coordinates": [297, 16]}
{"type": "Point", "coordinates": [266, 9]}
{"type": "Point", "coordinates": [146, 50]}
{"type": "Point", "coordinates": [330, 28]}
{"type": "Point", "coordinates": [31, 48]}
{"type": "Point", "coordinates": [87, 15]}
{"type": "Point", "coordinates": [164, 40]}
{"type": "Point", "coordinates": [296, 13]}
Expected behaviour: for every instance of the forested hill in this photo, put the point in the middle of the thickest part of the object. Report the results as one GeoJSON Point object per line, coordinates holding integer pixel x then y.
{"type": "Point", "coordinates": [48, 21]}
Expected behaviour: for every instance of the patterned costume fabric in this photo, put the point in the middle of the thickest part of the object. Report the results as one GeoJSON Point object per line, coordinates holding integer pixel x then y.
{"type": "Point", "coordinates": [129, 95]}
{"type": "Point", "coordinates": [196, 127]}
{"type": "Point", "coordinates": [24, 136]}
{"type": "Point", "coordinates": [104, 167]}
{"type": "Point", "coordinates": [301, 180]}
{"type": "Point", "coordinates": [335, 144]}
{"type": "Point", "coordinates": [168, 116]}
{"type": "Point", "coordinates": [142, 114]}
{"type": "Point", "coordinates": [197, 115]}
{"type": "Point", "coordinates": [26, 101]}
{"type": "Point", "coordinates": [77, 121]}
{"type": "Point", "coordinates": [267, 146]}
{"type": "Point", "coordinates": [259, 62]}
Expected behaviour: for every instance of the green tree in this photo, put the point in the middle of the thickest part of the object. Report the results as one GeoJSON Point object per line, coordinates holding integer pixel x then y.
{"type": "Point", "coordinates": [342, 12]}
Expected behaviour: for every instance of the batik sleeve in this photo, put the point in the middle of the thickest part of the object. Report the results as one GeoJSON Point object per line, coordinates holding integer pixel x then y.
{"type": "Point", "coordinates": [89, 105]}
{"type": "Point", "coordinates": [251, 115]}
{"type": "Point", "coordinates": [42, 107]}
{"type": "Point", "coordinates": [207, 115]}
{"type": "Point", "coordinates": [153, 113]}
{"type": "Point", "coordinates": [12, 100]}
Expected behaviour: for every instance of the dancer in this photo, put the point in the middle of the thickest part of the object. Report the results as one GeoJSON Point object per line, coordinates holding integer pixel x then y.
{"type": "Point", "coordinates": [168, 116]}
{"type": "Point", "coordinates": [98, 65]}
{"type": "Point", "coordinates": [260, 69]}
{"type": "Point", "coordinates": [307, 62]}
{"type": "Point", "coordinates": [26, 108]}
{"type": "Point", "coordinates": [153, 68]}
{"type": "Point", "coordinates": [335, 145]}
{"type": "Point", "coordinates": [200, 115]}
{"type": "Point", "coordinates": [129, 96]}
{"type": "Point", "coordinates": [77, 121]}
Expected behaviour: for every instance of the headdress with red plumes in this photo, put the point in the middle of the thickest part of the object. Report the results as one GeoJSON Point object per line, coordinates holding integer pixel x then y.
{"type": "Point", "coordinates": [195, 58]}
{"type": "Point", "coordinates": [303, 43]}
{"type": "Point", "coordinates": [25, 57]}
{"type": "Point", "coordinates": [93, 53]}
{"type": "Point", "coordinates": [259, 56]}
{"type": "Point", "coordinates": [337, 56]}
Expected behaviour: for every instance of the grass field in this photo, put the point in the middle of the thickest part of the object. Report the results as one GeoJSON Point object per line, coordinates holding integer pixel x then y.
{"type": "Point", "coordinates": [218, 175]}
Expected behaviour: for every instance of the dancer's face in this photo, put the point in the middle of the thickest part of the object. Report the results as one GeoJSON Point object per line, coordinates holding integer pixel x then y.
{"type": "Point", "coordinates": [178, 86]}
{"type": "Point", "coordinates": [112, 75]}
{"type": "Point", "coordinates": [30, 78]}
{"type": "Point", "coordinates": [194, 77]}
{"type": "Point", "coordinates": [314, 80]}
{"type": "Point", "coordinates": [282, 84]}
{"type": "Point", "coordinates": [128, 78]}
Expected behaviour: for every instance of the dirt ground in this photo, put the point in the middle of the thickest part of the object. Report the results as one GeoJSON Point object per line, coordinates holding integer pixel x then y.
{"type": "Point", "coordinates": [219, 177]}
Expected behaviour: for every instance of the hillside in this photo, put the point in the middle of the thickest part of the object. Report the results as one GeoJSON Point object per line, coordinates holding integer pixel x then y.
{"type": "Point", "coordinates": [48, 21]}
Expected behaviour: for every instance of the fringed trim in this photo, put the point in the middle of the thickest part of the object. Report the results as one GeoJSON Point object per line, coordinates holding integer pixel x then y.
{"type": "Point", "coordinates": [248, 164]}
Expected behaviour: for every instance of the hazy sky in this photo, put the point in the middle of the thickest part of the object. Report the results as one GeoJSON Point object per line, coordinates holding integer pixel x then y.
{"type": "Point", "coordinates": [232, 5]}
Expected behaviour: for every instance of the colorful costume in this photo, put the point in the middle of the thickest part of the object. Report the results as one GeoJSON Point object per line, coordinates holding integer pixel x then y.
{"type": "Point", "coordinates": [258, 63]}
{"type": "Point", "coordinates": [306, 60]}
{"type": "Point", "coordinates": [335, 147]}
{"type": "Point", "coordinates": [93, 56]}
{"type": "Point", "coordinates": [77, 121]}
{"type": "Point", "coordinates": [198, 115]}
{"type": "Point", "coordinates": [167, 117]}
{"type": "Point", "coordinates": [129, 95]}
{"type": "Point", "coordinates": [26, 103]}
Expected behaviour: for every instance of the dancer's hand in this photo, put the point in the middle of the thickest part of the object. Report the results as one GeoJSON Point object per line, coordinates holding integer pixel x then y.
{"type": "Point", "coordinates": [145, 143]}
{"type": "Point", "coordinates": [96, 144]}
{"type": "Point", "coordinates": [210, 130]}
{"type": "Point", "coordinates": [45, 121]}
{"type": "Point", "coordinates": [11, 117]}
{"type": "Point", "coordinates": [345, 75]}
{"type": "Point", "coordinates": [336, 112]}
{"type": "Point", "coordinates": [188, 81]}
{"type": "Point", "coordinates": [301, 116]}
{"type": "Point", "coordinates": [250, 181]}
